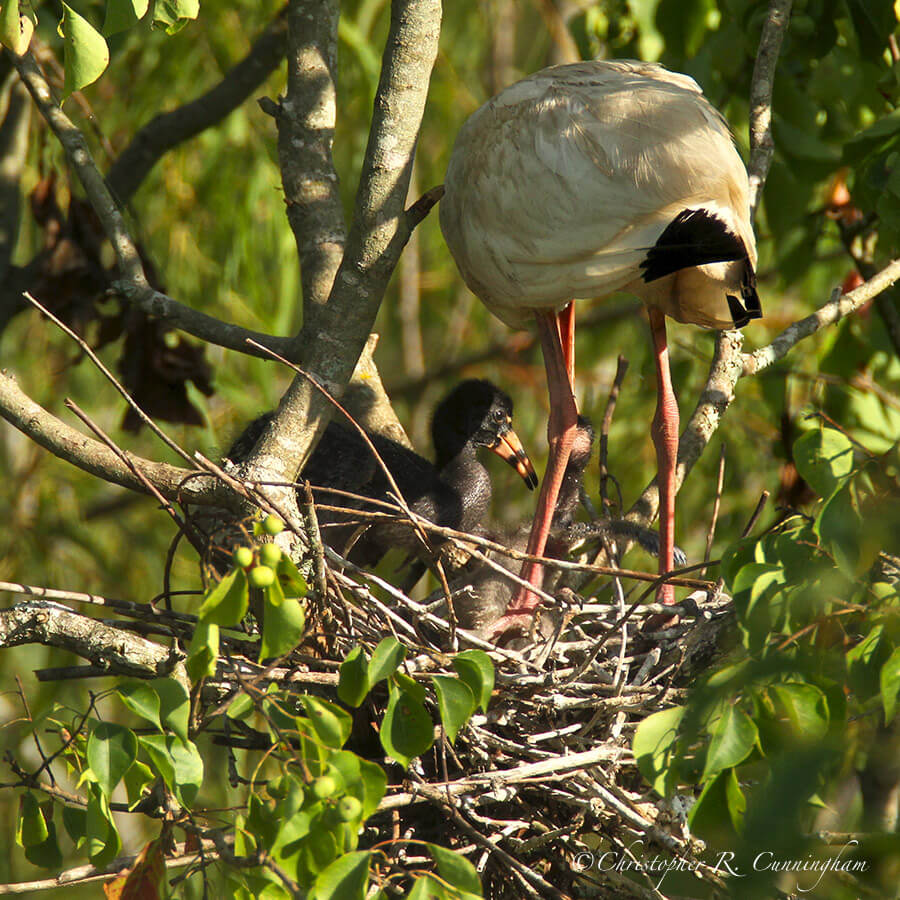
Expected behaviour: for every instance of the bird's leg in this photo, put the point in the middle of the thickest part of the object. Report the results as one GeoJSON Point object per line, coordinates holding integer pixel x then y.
{"type": "Point", "coordinates": [665, 437]}
{"type": "Point", "coordinates": [557, 342]}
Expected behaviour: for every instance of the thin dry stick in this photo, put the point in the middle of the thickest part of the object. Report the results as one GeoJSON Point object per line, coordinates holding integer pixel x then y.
{"type": "Point", "coordinates": [86, 348]}
{"type": "Point", "coordinates": [127, 460]}
{"type": "Point", "coordinates": [710, 535]}
{"type": "Point", "coordinates": [621, 369]}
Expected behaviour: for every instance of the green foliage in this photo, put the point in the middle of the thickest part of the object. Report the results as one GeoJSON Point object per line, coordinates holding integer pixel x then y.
{"type": "Point", "coordinates": [816, 677]}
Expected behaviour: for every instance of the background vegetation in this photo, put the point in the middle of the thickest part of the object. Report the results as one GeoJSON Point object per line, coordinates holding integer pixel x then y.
{"type": "Point", "coordinates": [818, 626]}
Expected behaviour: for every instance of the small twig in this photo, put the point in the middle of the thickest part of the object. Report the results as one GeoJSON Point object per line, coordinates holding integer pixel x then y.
{"type": "Point", "coordinates": [88, 351]}
{"type": "Point", "coordinates": [621, 369]}
{"type": "Point", "coordinates": [310, 520]}
{"type": "Point", "coordinates": [710, 535]}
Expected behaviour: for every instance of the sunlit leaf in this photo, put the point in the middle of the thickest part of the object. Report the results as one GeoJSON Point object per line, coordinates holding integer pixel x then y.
{"type": "Point", "coordinates": [111, 749]}
{"type": "Point", "coordinates": [456, 703]}
{"type": "Point", "coordinates": [353, 684]}
{"type": "Point", "coordinates": [654, 746]}
{"type": "Point", "coordinates": [477, 671]}
{"type": "Point", "coordinates": [732, 741]}
{"type": "Point", "coordinates": [386, 658]}
{"type": "Point", "coordinates": [406, 730]}
{"type": "Point", "coordinates": [86, 53]}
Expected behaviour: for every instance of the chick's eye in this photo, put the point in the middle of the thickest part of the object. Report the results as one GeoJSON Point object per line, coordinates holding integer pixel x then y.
{"type": "Point", "coordinates": [498, 415]}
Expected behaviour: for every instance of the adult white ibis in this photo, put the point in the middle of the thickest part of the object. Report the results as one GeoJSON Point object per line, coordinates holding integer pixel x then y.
{"type": "Point", "coordinates": [587, 179]}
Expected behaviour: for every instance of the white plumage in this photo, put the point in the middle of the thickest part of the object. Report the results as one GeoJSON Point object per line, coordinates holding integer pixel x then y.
{"type": "Point", "coordinates": [559, 186]}
{"type": "Point", "coordinates": [591, 178]}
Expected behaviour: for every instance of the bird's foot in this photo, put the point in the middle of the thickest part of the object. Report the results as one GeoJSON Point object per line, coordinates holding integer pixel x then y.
{"type": "Point", "coordinates": [515, 622]}
{"type": "Point", "coordinates": [659, 621]}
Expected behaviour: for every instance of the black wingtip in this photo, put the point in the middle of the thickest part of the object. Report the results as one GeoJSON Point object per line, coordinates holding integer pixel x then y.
{"type": "Point", "coordinates": [695, 237]}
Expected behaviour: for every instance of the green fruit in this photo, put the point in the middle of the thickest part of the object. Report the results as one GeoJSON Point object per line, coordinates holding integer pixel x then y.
{"type": "Point", "coordinates": [261, 576]}
{"type": "Point", "coordinates": [243, 557]}
{"type": "Point", "coordinates": [269, 555]}
{"type": "Point", "coordinates": [323, 787]}
{"type": "Point", "coordinates": [348, 809]}
{"type": "Point", "coordinates": [272, 525]}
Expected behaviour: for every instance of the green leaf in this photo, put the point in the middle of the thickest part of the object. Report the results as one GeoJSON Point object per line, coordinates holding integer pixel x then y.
{"type": "Point", "coordinates": [455, 869]}
{"type": "Point", "coordinates": [138, 777]}
{"type": "Point", "coordinates": [111, 749]}
{"type": "Point", "coordinates": [179, 763]}
{"type": "Point", "coordinates": [864, 662]}
{"type": "Point", "coordinates": [733, 738]}
{"type": "Point", "coordinates": [75, 822]}
{"type": "Point", "coordinates": [226, 603]}
{"type": "Point", "coordinates": [353, 684]}
{"type": "Point", "coordinates": [47, 854]}
{"type": "Point", "coordinates": [16, 27]}
{"type": "Point", "coordinates": [86, 53]}
{"type": "Point", "coordinates": [387, 657]}
{"type": "Point", "coordinates": [456, 703]}
{"type": "Point", "coordinates": [839, 526]}
{"type": "Point", "coordinates": [203, 652]}
{"type": "Point", "coordinates": [874, 21]}
{"type": "Point", "coordinates": [31, 827]}
{"type": "Point", "coordinates": [477, 671]}
{"type": "Point", "coordinates": [654, 747]}
{"type": "Point", "coordinates": [142, 700]}
{"type": "Point", "coordinates": [890, 685]}
{"type": "Point", "coordinates": [102, 839]}
{"type": "Point", "coordinates": [240, 707]}
{"type": "Point", "coordinates": [345, 879]}
{"type": "Point", "coordinates": [174, 705]}
{"type": "Point", "coordinates": [123, 14]}
{"type": "Point", "coordinates": [735, 800]}
{"type": "Point", "coordinates": [331, 724]}
{"type": "Point", "coordinates": [824, 457]}
{"type": "Point", "coordinates": [283, 622]}
{"type": "Point", "coordinates": [292, 581]}
{"type": "Point", "coordinates": [805, 707]}
{"type": "Point", "coordinates": [406, 730]}
{"type": "Point", "coordinates": [173, 15]}
{"type": "Point", "coordinates": [877, 136]}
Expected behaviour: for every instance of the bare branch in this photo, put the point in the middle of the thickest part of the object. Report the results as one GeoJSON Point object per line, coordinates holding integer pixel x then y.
{"type": "Point", "coordinates": [306, 117]}
{"type": "Point", "coordinates": [117, 651]}
{"type": "Point", "coordinates": [172, 128]}
{"type": "Point", "coordinates": [97, 459]}
{"type": "Point", "coordinates": [135, 286]}
{"type": "Point", "coordinates": [761, 145]}
{"type": "Point", "coordinates": [330, 346]}
{"type": "Point", "coordinates": [834, 310]}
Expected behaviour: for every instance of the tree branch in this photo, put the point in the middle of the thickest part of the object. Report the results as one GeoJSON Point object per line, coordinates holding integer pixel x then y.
{"type": "Point", "coordinates": [114, 649]}
{"type": "Point", "coordinates": [306, 117]}
{"type": "Point", "coordinates": [834, 310]}
{"type": "Point", "coordinates": [134, 286]}
{"type": "Point", "coordinates": [330, 345]}
{"type": "Point", "coordinates": [97, 459]}
{"type": "Point", "coordinates": [168, 130]}
{"type": "Point", "coordinates": [762, 147]}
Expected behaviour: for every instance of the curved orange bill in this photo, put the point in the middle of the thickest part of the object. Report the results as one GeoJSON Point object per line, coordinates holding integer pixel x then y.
{"type": "Point", "coordinates": [509, 448]}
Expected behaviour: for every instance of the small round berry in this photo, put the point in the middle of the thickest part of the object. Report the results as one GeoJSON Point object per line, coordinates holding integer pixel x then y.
{"type": "Point", "coordinates": [349, 808]}
{"type": "Point", "coordinates": [261, 576]}
{"type": "Point", "coordinates": [272, 525]}
{"type": "Point", "coordinates": [323, 787]}
{"type": "Point", "coordinates": [243, 557]}
{"type": "Point", "coordinates": [269, 555]}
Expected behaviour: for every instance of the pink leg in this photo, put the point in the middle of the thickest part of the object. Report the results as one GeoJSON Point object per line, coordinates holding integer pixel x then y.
{"type": "Point", "coordinates": [558, 345]}
{"type": "Point", "coordinates": [665, 436]}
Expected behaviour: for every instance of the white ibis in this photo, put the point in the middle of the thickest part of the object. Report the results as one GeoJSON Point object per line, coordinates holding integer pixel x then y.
{"type": "Point", "coordinates": [587, 179]}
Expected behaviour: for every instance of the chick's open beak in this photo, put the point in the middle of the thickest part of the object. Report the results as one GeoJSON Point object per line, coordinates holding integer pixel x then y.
{"type": "Point", "coordinates": [509, 448]}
